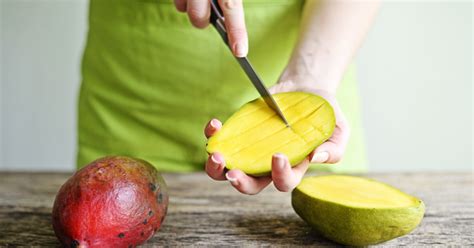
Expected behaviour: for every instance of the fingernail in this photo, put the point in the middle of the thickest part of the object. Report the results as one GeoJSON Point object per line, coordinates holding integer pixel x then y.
{"type": "Point", "coordinates": [320, 157]}
{"type": "Point", "coordinates": [214, 123]}
{"type": "Point", "coordinates": [279, 160]}
{"type": "Point", "coordinates": [232, 180]}
{"type": "Point", "coordinates": [241, 49]}
{"type": "Point", "coordinates": [216, 159]}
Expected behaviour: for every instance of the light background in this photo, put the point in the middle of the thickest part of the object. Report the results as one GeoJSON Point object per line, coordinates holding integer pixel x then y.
{"type": "Point", "coordinates": [415, 74]}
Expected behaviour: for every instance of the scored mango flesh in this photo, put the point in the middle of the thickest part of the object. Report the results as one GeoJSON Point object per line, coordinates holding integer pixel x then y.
{"type": "Point", "coordinates": [355, 192]}
{"type": "Point", "coordinates": [251, 136]}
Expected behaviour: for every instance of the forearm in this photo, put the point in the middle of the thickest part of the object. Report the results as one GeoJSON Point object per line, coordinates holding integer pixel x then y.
{"type": "Point", "coordinates": [331, 32]}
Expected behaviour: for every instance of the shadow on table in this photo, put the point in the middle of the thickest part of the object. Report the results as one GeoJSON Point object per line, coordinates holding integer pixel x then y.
{"type": "Point", "coordinates": [30, 227]}
{"type": "Point", "coordinates": [278, 229]}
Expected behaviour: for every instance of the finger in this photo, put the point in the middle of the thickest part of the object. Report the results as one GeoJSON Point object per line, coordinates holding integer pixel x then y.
{"type": "Point", "coordinates": [198, 12]}
{"type": "Point", "coordinates": [332, 150]}
{"type": "Point", "coordinates": [247, 184]}
{"type": "Point", "coordinates": [212, 127]}
{"type": "Point", "coordinates": [235, 24]}
{"type": "Point", "coordinates": [284, 177]}
{"type": "Point", "coordinates": [180, 5]}
{"type": "Point", "coordinates": [215, 166]}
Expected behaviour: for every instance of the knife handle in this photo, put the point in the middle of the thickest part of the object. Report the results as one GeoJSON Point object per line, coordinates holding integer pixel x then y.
{"type": "Point", "coordinates": [216, 11]}
{"type": "Point", "coordinates": [217, 20]}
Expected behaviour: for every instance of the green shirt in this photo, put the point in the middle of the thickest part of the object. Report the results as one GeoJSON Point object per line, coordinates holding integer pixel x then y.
{"type": "Point", "coordinates": [151, 81]}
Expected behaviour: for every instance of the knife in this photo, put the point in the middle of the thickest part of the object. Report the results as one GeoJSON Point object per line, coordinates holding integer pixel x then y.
{"type": "Point", "coordinates": [217, 20]}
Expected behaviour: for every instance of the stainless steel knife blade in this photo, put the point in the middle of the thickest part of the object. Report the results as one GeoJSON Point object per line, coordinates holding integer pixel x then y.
{"type": "Point", "coordinates": [262, 90]}
{"type": "Point", "coordinates": [217, 20]}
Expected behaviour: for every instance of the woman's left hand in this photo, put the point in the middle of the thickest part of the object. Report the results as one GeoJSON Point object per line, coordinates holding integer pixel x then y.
{"type": "Point", "coordinates": [333, 149]}
{"type": "Point", "coordinates": [284, 176]}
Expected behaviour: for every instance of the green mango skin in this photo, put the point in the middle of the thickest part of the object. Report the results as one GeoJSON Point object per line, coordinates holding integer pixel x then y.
{"type": "Point", "coordinates": [356, 226]}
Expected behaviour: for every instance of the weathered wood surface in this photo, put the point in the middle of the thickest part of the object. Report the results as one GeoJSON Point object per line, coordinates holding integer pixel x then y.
{"type": "Point", "coordinates": [208, 213]}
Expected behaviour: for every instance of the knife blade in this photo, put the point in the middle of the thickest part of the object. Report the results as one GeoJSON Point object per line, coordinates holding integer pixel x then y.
{"type": "Point", "coordinates": [217, 20]}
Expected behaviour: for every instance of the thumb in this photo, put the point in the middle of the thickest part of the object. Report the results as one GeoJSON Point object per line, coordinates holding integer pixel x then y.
{"type": "Point", "coordinates": [328, 153]}
{"type": "Point", "coordinates": [333, 149]}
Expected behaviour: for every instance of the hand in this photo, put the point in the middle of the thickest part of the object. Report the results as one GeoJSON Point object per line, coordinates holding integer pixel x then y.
{"type": "Point", "coordinates": [199, 13]}
{"type": "Point", "coordinates": [333, 149]}
{"type": "Point", "coordinates": [284, 177]}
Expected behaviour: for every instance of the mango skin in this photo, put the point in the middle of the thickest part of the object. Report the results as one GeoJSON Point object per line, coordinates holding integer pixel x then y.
{"type": "Point", "coordinates": [250, 137]}
{"type": "Point", "coordinates": [114, 201]}
{"type": "Point", "coordinates": [356, 226]}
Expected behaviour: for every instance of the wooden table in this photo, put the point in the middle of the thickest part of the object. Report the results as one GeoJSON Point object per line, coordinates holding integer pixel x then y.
{"type": "Point", "coordinates": [204, 212]}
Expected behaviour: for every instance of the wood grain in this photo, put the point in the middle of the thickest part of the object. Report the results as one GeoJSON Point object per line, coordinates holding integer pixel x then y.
{"type": "Point", "coordinates": [208, 213]}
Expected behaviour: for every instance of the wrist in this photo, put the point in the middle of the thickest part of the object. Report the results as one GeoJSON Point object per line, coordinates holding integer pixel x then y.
{"type": "Point", "coordinates": [316, 65]}
{"type": "Point", "coordinates": [299, 76]}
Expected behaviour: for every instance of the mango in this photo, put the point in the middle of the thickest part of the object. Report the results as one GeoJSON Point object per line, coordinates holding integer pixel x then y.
{"type": "Point", "coordinates": [112, 202]}
{"type": "Point", "coordinates": [356, 211]}
{"type": "Point", "coordinates": [250, 137]}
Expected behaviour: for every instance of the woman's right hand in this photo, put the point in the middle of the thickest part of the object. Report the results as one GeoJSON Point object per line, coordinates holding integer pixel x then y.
{"type": "Point", "coordinates": [199, 12]}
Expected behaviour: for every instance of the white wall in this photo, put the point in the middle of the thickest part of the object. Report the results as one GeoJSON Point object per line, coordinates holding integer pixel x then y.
{"type": "Point", "coordinates": [41, 48]}
{"type": "Point", "coordinates": [415, 73]}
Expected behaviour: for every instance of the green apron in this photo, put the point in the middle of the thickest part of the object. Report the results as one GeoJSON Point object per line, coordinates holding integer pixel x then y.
{"type": "Point", "coordinates": [151, 81]}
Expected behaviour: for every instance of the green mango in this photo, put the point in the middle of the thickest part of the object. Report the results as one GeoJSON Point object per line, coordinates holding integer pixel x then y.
{"type": "Point", "coordinates": [356, 211]}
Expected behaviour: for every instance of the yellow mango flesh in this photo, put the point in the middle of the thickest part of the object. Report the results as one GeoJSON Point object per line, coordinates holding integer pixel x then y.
{"type": "Point", "coordinates": [355, 192]}
{"type": "Point", "coordinates": [254, 133]}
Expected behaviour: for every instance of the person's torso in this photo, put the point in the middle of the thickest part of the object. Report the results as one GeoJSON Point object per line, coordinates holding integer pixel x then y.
{"type": "Point", "coordinates": [158, 79]}
{"type": "Point", "coordinates": [151, 80]}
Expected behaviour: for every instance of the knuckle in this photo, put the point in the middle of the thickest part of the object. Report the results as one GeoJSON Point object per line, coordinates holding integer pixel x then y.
{"type": "Point", "coordinates": [231, 4]}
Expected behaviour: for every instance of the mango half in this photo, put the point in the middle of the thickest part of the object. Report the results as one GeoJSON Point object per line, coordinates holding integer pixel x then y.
{"type": "Point", "coordinates": [254, 133]}
{"type": "Point", "coordinates": [356, 211]}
